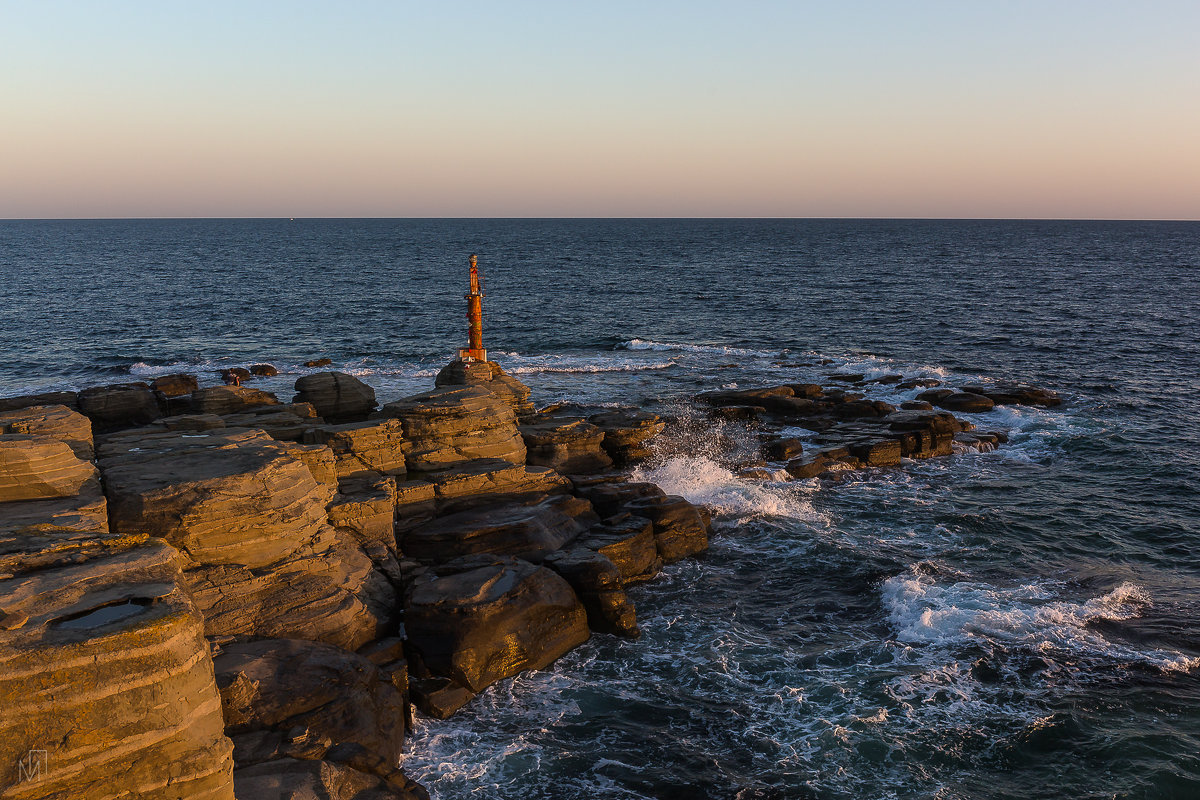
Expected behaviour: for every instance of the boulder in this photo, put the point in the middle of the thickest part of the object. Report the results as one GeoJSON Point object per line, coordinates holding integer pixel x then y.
{"type": "Point", "coordinates": [679, 531]}
{"type": "Point", "coordinates": [916, 405]}
{"type": "Point", "coordinates": [934, 395]}
{"type": "Point", "coordinates": [230, 399]}
{"type": "Point", "coordinates": [57, 422]}
{"type": "Point", "coordinates": [965, 402]}
{"type": "Point", "coordinates": [263, 370]}
{"type": "Point", "coordinates": [271, 687]}
{"type": "Point", "coordinates": [122, 405]}
{"type": "Point", "coordinates": [336, 396]}
{"type": "Point", "coordinates": [39, 467]}
{"type": "Point", "coordinates": [482, 620]}
{"type": "Point", "coordinates": [107, 671]}
{"type": "Point", "coordinates": [876, 452]}
{"type": "Point", "coordinates": [597, 583]}
{"type": "Point", "coordinates": [564, 445]}
{"type": "Point", "coordinates": [855, 409]}
{"type": "Point", "coordinates": [529, 531]}
{"type": "Point", "coordinates": [627, 541]}
{"type": "Point", "coordinates": [179, 384]}
{"type": "Point", "coordinates": [489, 375]}
{"type": "Point", "coordinates": [302, 779]}
{"type": "Point", "coordinates": [451, 425]}
{"type": "Point", "coordinates": [376, 447]}
{"type": "Point", "coordinates": [318, 362]}
{"type": "Point", "coordinates": [627, 434]}
{"type": "Point", "coordinates": [744, 397]}
{"type": "Point", "coordinates": [783, 448]}
{"type": "Point", "coordinates": [235, 375]}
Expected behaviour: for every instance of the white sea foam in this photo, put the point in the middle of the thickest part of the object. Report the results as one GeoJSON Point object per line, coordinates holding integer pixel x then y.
{"type": "Point", "coordinates": [705, 482]}
{"type": "Point", "coordinates": [644, 344]}
{"type": "Point", "coordinates": [923, 611]}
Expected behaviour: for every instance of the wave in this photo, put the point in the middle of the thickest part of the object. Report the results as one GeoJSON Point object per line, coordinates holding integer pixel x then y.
{"type": "Point", "coordinates": [925, 612]}
{"type": "Point", "coordinates": [703, 481]}
{"type": "Point", "coordinates": [645, 344]}
{"type": "Point", "coordinates": [590, 368]}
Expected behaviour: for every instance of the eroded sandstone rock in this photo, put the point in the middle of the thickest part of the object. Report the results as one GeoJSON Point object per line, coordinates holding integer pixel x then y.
{"type": "Point", "coordinates": [565, 445]}
{"type": "Point", "coordinates": [39, 467]}
{"type": "Point", "coordinates": [337, 396]}
{"type": "Point", "coordinates": [109, 672]}
{"type": "Point", "coordinates": [121, 405]}
{"type": "Point", "coordinates": [679, 530]}
{"type": "Point", "coordinates": [529, 531]}
{"type": "Point", "coordinates": [489, 375]}
{"type": "Point", "coordinates": [57, 422]}
{"type": "Point", "coordinates": [597, 582]}
{"type": "Point", "coordinates": [451, 425]}
{"type": "Point", "coordinates": [376, 447]}
{"type": "Point", "coordinates": [272, 687]}
{"type": "Point", "coordinates": [628, 433]}
{"type": "Point", "coordinates": [222, 400]}
{"type": "Point", "coordinates": [494, 618]}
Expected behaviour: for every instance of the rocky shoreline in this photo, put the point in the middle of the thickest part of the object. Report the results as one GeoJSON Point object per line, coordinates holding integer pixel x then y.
{"type": "Point", "coordinates": [205, 591]}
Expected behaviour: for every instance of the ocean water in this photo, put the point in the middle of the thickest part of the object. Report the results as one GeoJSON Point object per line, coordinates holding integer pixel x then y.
{"type": "Point", "coordinates": [1007, 624]}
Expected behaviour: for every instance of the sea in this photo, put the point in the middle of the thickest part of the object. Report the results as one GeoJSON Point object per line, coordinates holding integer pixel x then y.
{"type": "Point", "coordinates": [1016, 623]}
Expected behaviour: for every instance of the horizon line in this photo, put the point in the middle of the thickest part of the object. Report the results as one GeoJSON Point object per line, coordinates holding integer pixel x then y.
{"type": "Point", "coordinates": [614, 218]}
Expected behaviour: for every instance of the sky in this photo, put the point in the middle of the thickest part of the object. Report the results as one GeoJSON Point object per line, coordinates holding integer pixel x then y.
{"type": "Point", "coordinates": [997, 109]}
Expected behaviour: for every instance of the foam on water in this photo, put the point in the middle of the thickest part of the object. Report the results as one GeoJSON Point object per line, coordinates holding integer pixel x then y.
{"type": "Point", "coordinates": [703, 481]}
{"type": "Point", "coordinates": [1032, 616]}
{"type": "Point", "coordinates": [642, 344]}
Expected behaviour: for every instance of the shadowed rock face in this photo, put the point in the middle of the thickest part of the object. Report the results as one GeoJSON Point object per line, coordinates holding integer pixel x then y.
{"type": "Point", "coordinates": [455, 424]}
{"type": "Point", "coordinates": [250, 517]}
{"type": "Point", "coordinates": [104, 665]}
{"type": "Point", "coordinates": [271, 687]}
{"type": "Point", "coordinates": [336, 396]}
{"type": "Point", "coordinates": [68, 399]}
{"type": "Point", "coordinates": [628, 542]}
{"type": "Point", "coordinates": [86, 510]}
{"type": "Point", "coordinates": [597, 583]}
{"type": "Point", "coordinates": [495, 618]}
{"type": "Point", "coordinates": [121, 405]}
{"type": "Point", "coordinates": [528, 531]}
{"type": "Point", "coordinates": [56, 422]}
{"type": "Point", "coordinates": [563, 444]}
{"type": "Point", "coordinates": [627, 433]}
{"type": "Point", "coordinates": [230, 399]}
{"type": "Point", "coordinates": [296, 779]}
{"type": "Point", "coordinates": [39, 467]}
{"type": "Point", "coordinates": [679, 531]}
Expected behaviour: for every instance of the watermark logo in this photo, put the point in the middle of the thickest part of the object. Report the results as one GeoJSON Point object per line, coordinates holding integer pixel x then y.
{"type": "Point", "coordinates": [32, 766]}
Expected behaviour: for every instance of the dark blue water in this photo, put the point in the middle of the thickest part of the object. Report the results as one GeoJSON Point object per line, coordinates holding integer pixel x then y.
{"type": "Point", "coordinates": [1007, 624]}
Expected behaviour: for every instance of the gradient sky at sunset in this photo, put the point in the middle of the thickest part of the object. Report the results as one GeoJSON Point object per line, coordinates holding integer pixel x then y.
{"type": "Point", "coordinates": [793, 109]}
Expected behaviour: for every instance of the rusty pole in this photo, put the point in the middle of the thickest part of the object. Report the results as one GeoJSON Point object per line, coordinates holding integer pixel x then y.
{"type": "Point", "coordinates": [475, 351]}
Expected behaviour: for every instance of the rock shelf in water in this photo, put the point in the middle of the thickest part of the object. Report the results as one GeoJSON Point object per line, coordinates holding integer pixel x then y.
{"type": "Point", "coordinates": [204, 590]}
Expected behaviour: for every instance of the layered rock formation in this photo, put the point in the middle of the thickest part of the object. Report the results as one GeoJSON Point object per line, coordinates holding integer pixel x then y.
{"type": "Point", "coordinates": [55, 421]}
{"type": "Point", "coordinates": [564, 444]}
{"type": "Point", "coordinates": [455, 424]}
{"type": "Point", "coordinates": [250, 517]}
{"type": "Point", "coordinates": [121, 405]}
{"type": "Point", "coordinates": [479, 620]}
{"type": "Point", "coordinates": [104, 671]}
{"type": "Point", "coordinates": [336, 396]}
{"type": "Point", "coordinates": [489, 375]}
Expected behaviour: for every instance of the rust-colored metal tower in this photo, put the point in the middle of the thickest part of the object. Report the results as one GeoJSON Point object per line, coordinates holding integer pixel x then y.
{"type": "Point", "coordinates": [475, 351]}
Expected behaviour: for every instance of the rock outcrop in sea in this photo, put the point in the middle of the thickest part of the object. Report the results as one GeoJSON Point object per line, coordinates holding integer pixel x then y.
{"type": "Point", "coordinates": [206, 592]}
